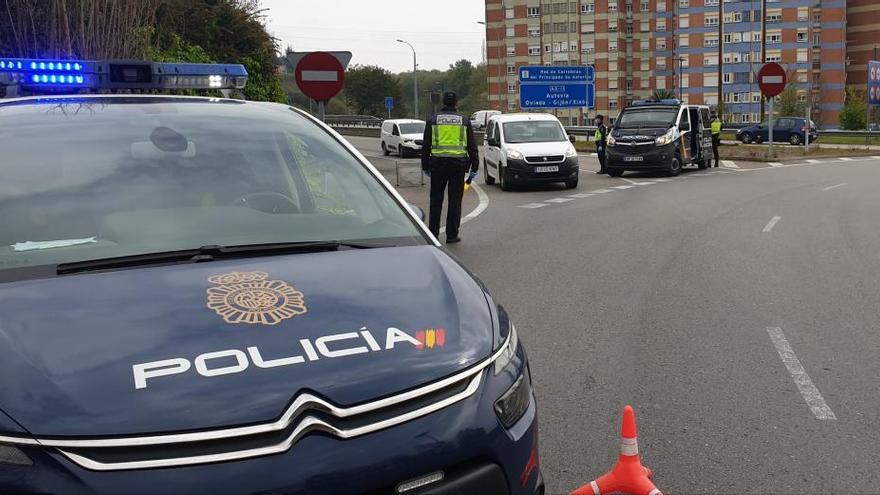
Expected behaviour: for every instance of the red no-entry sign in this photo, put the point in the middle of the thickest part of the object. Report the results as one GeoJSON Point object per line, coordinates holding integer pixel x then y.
{"type": "Point", "coordinates": [320, 76]}
{"type": "Point", "coordinates": [771, 79]}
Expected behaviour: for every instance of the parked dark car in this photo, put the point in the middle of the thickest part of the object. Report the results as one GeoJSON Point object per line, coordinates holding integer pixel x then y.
{"type": "Point", "coordinates": [791, 130]}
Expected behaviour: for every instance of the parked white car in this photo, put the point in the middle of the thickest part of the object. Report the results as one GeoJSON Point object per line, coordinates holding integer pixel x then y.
{"type": "Point", "coordinates": [529, 148]}
{"type": "Point", "coordinates": [481, 118]}
{"type": "Point", "coordinates": [402, 136]}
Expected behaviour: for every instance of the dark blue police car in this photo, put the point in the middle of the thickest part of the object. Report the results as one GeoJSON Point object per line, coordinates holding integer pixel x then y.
{"type": "Point", "coordinates": [204, 295]}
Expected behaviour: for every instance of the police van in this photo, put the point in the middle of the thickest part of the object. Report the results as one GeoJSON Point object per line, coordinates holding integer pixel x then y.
{"type": "Point", "coordinates": [206, 295]}
{"type": "Point", "coordinates": [659, 135]}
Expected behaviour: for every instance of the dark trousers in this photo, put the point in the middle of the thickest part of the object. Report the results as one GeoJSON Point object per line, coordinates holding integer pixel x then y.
{"type": "Point", "coordinates": [446, 177]}
{"type": "Point", "coordinates": [600, 152]}
{"type": "Point", "coordinates": [716, 142]}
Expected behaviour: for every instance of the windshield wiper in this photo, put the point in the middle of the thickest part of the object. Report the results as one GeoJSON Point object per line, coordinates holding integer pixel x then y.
{"type": "Point", "coordinates": [209, 253]}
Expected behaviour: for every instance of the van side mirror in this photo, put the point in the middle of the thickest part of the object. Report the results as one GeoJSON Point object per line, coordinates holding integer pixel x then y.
{"type": "Point", "coordinates": [684, 127]}
{"type": "Point", "coordinates": [572, 138]}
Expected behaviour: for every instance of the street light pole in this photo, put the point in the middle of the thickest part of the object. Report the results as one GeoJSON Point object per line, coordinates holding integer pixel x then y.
{"type": "Point", "coordinates": [415, 81]}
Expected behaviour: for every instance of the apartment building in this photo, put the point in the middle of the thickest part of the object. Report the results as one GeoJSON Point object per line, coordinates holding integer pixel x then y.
{"type": "Point", "coordinates": [638, 46]}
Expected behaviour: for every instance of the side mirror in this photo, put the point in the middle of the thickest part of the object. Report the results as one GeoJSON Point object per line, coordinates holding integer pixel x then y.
{"type": "Point", "coordinates": [417, 210]}
{"type": "Point", "coordinates": [572, 139]}
{"type": "Point", "coordinates": [684, 127]}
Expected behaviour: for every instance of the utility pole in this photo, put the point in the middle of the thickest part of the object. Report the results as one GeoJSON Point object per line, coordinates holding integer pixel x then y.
{"type": "Point", "coordinates": [721, 54]}
{"type": "Point", "coordinates": [415, 81]}
{"type": "Point", "coordinates": [763, 50]}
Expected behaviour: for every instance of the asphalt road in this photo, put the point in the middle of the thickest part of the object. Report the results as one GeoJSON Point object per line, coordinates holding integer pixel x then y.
{"type": "Point", "coordinates": [736, 310]}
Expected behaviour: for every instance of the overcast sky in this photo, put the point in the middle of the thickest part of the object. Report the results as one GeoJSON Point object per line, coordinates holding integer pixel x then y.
{"type": "Point", "coordinates": [369, 28]}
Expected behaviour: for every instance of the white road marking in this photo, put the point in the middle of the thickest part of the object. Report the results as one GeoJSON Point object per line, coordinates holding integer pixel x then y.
{"type": "Point", "coordinates": [814, 161]}
{"type": "Point", "coordinates": [729, 164]}
{"type": "Point", "coordinates": [644, 183]}
{"type": "Point", "coordinates": [775, 164]}
{"type": "Point", "coordinates": [481, 207]}
{"type": "Point", "coordinates": [558, 200]}
{"type": "Point", "coordinates": [581, 195]}
{"type": "Point", "coordinates": [602, 191]}
{"type": "Point", "coordinates": [534, 205]}
{"type": "Point", "coordinates": [772, 223]}
{"type": "Point", "coordinates": [876, 157]}
{"type": "Point", "coordinates": [808, 390]}
{"type": "Point", "coordinates": [623, 187]}
{"type": "Point", "coordinates": [628, 181]}
{"type": "Point", "coordinates": [834, 187]}
{"type": "Point", "coordinates": [724, 172]}
{"type": "Point", "coordinates": [662, 180]}
{"type": "Point", "coordinates": [845, 159]}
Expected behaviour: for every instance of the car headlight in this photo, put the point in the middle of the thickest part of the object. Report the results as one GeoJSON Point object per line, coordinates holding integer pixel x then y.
{"type": "Point", "coordinates": [508, 352]}
{"type": "Point", "coordinates": [571, 152]}
{"type": "Point", "coordinates": [610, 141]}
{"type": "Point", "coordinates": [665, 139]}
{"type": "Point", "coordinates": [515, 402]}
{"type": "Point", "coordinates": [12, 455]}
{"type": "Point", "coordinates": [515, 155]}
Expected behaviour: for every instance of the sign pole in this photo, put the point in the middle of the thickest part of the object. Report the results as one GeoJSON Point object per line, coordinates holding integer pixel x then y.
{"type": "Point", "coordinates": [771, 126]}
{"type": "Point", "coordinates": [321, 111]}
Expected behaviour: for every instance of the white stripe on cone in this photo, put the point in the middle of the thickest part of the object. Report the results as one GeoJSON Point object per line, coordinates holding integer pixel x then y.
{"type": "Point", "coordinates": [629, 446]}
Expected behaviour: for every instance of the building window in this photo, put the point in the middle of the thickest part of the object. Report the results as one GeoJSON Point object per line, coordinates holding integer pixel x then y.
{"type": "Point", "coordinates": [511, 51]}
{"type": "Point", "coordinates": [534, 32]}
{"type": "Point", "coordinates": [710, 41]}
{"type": "Point", "coordinates": [612, 46]}
{"type": "Point", "coordinates": [661, 44]}
{"type": "Point", "coordinates": [511, 88]}
{"type": "Point", "coordinates": [511, 69]}
{"type": "Point", "coordinates": [588, 8]}
{"type": "Point", "coordinates": [803, 14]}
{"type": "Point", "coordinates": [711, 3]}
{"type": "Point", "coordinates": [612, 27]}
{"type": "Point", "coordinates": [510, 32]}
{"type": "Point", "coordinates": [774, 38]}
{"type": "Point", "coordinates": [644, 44]}
{"type": "Point", "coordinates": [572, 27]}
{"type": "Point", "coordinates": [684, 21]}
{"type": "Point", "coordinates": [588, 48]}
{"type": "Point", "coordinates": [774, 18]}
{"type": "Point", "coordinates": [612, 66]}
{"type": "Point", "coordinates": [710, 60]}
{"type": "Point", "coordinates": [612, 83]}
{"type": "Point", "coordinates": [802, 37]}
{"type": "Point", "coordinates": [533, 12]}
{"type": "Point", "coordinates": [612, 103]}
{"type": "Point", "coordinates": [560, 27]}
{"type": "Point", "coordinates": [661, 25]}
{"type": "Point", "coordinates": [588, 27]}
{"type": "Point", "coordinates": [711, 21]}
{"type": "Point", "coordinates": [646, 64]}
{"type": "Point", "coordinates": [508, 13]}
{"type": "Point", "coordinates": [645, 6]}
{"type": "Point", "coordinates": [661, 6]}
{"type": "Point", "coordinates": [728, 78]}
{"type": "Point", "coordinates": [684, 40]}
{"type": "Point", "coordinates": [628, 29]}
{"type": "Point", "coordinates": [661, 63]}
{"type": "Point", "coordinates": [612, 6]}
{"type": "Point", "coordinates": [573, 46]}
{"type": "Point", "coordinates": [547, 48]}
{"type": "Point", "coordinates": [733, 17]}
{"type": "Point", "coordinates": [684, 4]}
{"type": "Point", "coordinates": [645, 26]}
{"type": "Point", "coordinates": [511, 106]}
{"type": "Point", "coordinates": [534, 50]}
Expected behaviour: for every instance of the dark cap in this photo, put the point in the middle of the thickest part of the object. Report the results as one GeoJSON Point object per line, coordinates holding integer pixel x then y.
{"type": "Point", "coordinates": [600, 116]}
{"type": "Point", "coordinates": [450, 99]}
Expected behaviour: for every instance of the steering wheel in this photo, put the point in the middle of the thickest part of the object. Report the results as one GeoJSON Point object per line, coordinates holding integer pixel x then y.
{"type": "Point", "coordinates": [268, 202]}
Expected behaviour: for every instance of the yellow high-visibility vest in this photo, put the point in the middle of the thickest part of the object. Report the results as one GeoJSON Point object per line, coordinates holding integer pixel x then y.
{"type": "Point", "coordinates": [449, 137]}
{"type": "Point", "coordinates": [716, 126]}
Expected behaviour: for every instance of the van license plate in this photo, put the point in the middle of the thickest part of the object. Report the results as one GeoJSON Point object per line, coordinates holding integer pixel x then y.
{"type": "Point", "coordinates": [633, 158]}
{"type": "Point", "coordinates": [547, 169]}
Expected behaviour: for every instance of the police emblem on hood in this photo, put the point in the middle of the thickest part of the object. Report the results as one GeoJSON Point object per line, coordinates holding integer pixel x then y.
{"type": "Point", "coordinates": [248, 297]}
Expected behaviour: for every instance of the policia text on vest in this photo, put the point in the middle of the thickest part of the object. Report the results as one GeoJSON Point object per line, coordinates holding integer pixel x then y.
{"type": "Point", "coordinates": [449, 150]}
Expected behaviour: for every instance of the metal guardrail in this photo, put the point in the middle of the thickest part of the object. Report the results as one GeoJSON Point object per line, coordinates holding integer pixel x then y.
{"type": "Point", "coordinates": [364, 121]}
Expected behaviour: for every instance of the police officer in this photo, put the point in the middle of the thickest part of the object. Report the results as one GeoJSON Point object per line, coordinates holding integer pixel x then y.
{"type": "Point", "coordinates": [716, 136]}
{"type": "Point", "coordinates": [599, 137]}
{"type": "Point", "coordinates": [449, 150]}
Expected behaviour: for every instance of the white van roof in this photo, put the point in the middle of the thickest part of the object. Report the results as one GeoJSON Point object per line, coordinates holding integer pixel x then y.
{"type": "Point", "coordinates": [523, 117]}
{"type": "Point", "coordinates": [403, 121]}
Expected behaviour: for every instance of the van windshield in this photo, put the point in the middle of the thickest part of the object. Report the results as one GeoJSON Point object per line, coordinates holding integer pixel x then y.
{"type": "Point", "coordinates": [647, 117]}
{"type": "Point", "coordinates": [415, 128]}
{"type": "Point", "coordinates": [531, 131]}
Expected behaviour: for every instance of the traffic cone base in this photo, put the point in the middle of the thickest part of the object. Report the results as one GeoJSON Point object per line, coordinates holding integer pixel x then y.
{"type": "Point", "coordinates": [628, 475]}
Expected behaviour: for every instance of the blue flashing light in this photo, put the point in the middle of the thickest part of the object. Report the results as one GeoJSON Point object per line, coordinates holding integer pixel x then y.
{"type": "Point", "coordinates": [79, 79]}
{"type": "Point", "coordinates": [53, 79]}
{"type": "Point", "coordinates": [33, 66]}
{"type": "Point", "coordinates": [42, 65]}
{"type": "Point", "coordinates": [18, 65]}
{"type": "Point", "coordinates": [51, 66]}
{"type": "Point", "coordinates": [44, 78]}
{"type": "Point", "coordinates": [67, 66]}
{"type": "Point", "coordinates": [77, 67]}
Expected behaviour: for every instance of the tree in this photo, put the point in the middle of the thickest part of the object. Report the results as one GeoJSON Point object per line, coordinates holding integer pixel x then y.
{"type": "Point", "coordinates": [788, 104]}
{"type": "Point", "coordinates": [366, 87]}
{"type": "Point", "coordinates": [478, 99]}
{"type": "Point", "coordinates": [855, 109]}
{"type": "Point", "coordinates": [663, 94]}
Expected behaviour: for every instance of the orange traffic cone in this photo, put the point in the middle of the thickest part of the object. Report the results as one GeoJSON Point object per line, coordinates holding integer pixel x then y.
{"type": "Point", "coordinates": [628, 475]}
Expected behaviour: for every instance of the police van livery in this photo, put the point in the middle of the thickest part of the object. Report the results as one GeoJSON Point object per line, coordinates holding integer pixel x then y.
{"type": "Point", "coordinates": [659, 135]}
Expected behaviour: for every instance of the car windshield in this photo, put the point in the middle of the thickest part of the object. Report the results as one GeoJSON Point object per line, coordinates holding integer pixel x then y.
{"type": "Point", "coordinates": [533, 131]}
{"type": "Point", "coordinates": [415, 128]}
{"type": "Point", "coordinates": [108, 177]}
{"type": "Point", "coordinates": [647, 117]}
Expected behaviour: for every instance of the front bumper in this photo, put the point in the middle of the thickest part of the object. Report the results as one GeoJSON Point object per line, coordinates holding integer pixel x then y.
{"type": "Point", "coordinates": [653, 157]}
{"type": "Point", "coordinates": [522, 171]}
{"type": "Point", "coordinates": [465, 441]}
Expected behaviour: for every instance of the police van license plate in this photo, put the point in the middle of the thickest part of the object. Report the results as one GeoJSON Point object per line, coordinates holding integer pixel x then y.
{"type": "Point", "coordinates": [554, 168]}
{"type": "Point", "coordinates": [633, 158]}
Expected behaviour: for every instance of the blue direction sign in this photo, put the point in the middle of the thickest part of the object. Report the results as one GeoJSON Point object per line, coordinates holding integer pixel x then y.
{"type": "Point", "coordinates": [556, 95]}
{"type": "Point", "coordinates": [389, 102]}
{"type": "Point", "coordinates": [556, 74]}
{"type": "Point", "coordinates": [873, 83]}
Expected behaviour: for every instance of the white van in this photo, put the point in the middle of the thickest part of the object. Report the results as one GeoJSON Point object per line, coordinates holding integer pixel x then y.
{"type": "Point", "coordinates": [402, 136]}
{"type": "Point", "coordinates": [481, 118]}
{"type": "Point", "coordinates": [528, 148]}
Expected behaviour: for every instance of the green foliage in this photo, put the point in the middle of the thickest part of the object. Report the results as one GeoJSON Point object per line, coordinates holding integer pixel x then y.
{"type": "Point", "coordinates": [663, 94]}
{"type": "Point", "coordinates": [855, 109]}
{"type": "Point", "coordinates": [263, 82]}
{"type": "Point", "coordinates": [366, 87]}
{"type": "Point", "coordinates": [787, 104]}
{"type": "Point", "coordinates": [179, 50]}
{"type": "Point", "coordinates": [478, 98]}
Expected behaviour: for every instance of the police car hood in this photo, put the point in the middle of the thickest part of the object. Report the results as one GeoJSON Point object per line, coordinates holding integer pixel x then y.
{"type": "Point", "coordinates": [652, 131]}
{"type": "Point", "coordinates": [349, 326]}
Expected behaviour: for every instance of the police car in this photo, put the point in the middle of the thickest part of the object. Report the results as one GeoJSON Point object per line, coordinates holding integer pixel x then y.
{"type": "Point", "coordinates": [206, 295]}
{"type": "Point", "coordinates": [659, 135]}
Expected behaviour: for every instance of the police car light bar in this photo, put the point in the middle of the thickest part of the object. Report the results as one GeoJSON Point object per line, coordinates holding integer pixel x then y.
{"type": "Point", "coordinates": [121, 74]}
{"type": "Point", "coordinates": [656, 102]}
